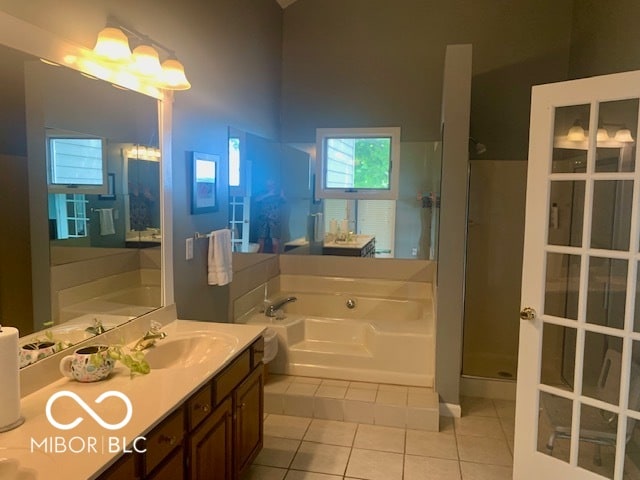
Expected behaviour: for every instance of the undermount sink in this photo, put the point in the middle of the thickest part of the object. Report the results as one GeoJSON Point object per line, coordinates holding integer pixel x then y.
{"type": "Point", "coordinates": [189, 349]}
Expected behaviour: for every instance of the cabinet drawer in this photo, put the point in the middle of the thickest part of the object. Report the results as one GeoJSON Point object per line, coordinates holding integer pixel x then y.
{"type": "Point", "coordinates": [163, 439]}
{"type": "Point", "coordinates": [257, 352]}
{"type": "Point", "coordinates": [199, 407]}
{"type": "Point", "coordinates": [225, 382]}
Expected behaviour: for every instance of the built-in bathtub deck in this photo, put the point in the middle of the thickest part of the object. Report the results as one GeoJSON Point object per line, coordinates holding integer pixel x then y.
{"type": "Point", "coordinates": [360, 402]}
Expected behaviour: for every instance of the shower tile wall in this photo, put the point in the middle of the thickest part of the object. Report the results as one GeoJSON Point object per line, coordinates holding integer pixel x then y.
{"type": "Point", "coordinates": [493, 276]}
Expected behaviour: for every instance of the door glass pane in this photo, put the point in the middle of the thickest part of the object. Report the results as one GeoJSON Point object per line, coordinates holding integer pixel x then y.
{"type": "Point", "coordinates": [634, 386]}
{"type": "Point", "coordinates": [571, 130]}
{"type": "Point", "coordinates": [607, 291]}
{"type": "Point", "coordinates": [558, 356]}
{"type": "Point", "coordinates": [597, 446]}
{"type": "Point", "coordinates": [617, 127]}
{"type": "Point", "coordinates": [566, 213]}
{"type": "Point", "coordinates": [554, 426]}
{"type": "Point", "coordinates": [632, 449]}
{"type": "Point", "coordinates": [636, 312]}
{"type": "Point", "coordinates": [601, 367]}
{"type": "Point", "coordinates": [561, 287]}
{"type": "Point", "coordinates": [611, 221]}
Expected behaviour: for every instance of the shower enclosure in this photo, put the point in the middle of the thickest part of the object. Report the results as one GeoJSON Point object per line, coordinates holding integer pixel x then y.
{"type": "Point", "coordinates": [495, 233]}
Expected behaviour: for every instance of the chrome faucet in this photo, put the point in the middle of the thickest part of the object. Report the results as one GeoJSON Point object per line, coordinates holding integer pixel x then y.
{"type": "Point", "coordinates": [271, 310]}
{"type": "Point", "coordinates": [149, 339]}
{"type": "Point", "coordinates": [97, 328]}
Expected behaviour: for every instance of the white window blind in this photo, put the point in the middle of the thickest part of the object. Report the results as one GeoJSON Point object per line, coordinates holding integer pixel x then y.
{"type": "Point", "coordinates": [370, 217]}
{"type": "Point", "coordinates": [378, 218]}
{"type": "Point", "coordinates": [76, 161]}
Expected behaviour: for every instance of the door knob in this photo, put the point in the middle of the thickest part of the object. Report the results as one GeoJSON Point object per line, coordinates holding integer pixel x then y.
{"type": "Point", "coordinates": [527, 313]}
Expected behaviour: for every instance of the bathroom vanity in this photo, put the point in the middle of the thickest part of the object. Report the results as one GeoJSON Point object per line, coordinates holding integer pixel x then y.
{"type": "Point", "coordinates": [215, 434]}
{"type": "Point", "coordinates": [197, 414]}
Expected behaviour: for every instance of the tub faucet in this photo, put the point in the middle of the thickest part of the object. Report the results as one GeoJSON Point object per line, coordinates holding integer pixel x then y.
{"type": "Point", "coordinates": [275, 306]}
{"type": "Point", "coordinates": [148, 340]}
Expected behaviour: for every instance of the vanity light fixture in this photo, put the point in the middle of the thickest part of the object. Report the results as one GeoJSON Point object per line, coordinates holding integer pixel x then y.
{"type": "Point", "coordinates": [113, 45]}
{"type": "Point", "coordinates": [146, 61]}
{"type": "Point", "coordinates": [173, 75]}
{"type": "Point", "coordinates": [624, 135]}
{"type": "Point", "coordinates": [113, 60]}
{"type": "Point", "coordinates": [602, 135]}
{"type": "Point", "coordinates": [576, 132]}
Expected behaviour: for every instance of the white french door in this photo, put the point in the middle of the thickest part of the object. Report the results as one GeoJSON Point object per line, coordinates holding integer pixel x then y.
{"type": "Point", "coordinates": [578, 397]}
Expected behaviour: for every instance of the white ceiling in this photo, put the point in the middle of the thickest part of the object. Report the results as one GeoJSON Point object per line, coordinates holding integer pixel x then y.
{"type": "Point", "coordinates": [285, 3]}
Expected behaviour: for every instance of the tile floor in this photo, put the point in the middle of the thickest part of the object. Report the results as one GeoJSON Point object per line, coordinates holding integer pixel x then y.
{"type": "Point", "coordinates": [478, 446]}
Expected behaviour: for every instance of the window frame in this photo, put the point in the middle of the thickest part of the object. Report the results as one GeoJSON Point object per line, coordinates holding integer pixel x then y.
{"type": "Point", "coordinates": [323, 134]}
{"type": "Point", "coordinates": [97, 189]}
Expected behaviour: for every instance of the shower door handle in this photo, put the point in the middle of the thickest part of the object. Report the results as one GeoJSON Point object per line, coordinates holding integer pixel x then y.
{"type": "Point", "coordinates": [527, 313]}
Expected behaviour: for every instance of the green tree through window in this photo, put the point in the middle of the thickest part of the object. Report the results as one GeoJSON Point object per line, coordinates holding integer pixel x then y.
{"type": "Point", "coordinates": [372, 163]}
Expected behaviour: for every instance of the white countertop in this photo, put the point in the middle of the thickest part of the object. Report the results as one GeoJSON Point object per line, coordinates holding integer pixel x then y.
{"type": "Point", "coordinates": [152, 396]}
{"type": "Point", "coordinates": [356, 241]}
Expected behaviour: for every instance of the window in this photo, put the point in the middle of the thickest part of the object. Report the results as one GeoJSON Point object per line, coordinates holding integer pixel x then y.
{"type": "Point", "coordinates": [68, 212]}
{"type": "Point", "coordinates": [357, 163]}
{"type": "Point", "coordinates": [234, 162]}
{"type": "Point", "coordinates": [76, 163]}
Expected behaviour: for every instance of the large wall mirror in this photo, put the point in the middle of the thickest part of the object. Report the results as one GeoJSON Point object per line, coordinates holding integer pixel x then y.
{"type": "Point", "coordinates": [274, 209]}
{"type": "Point", "coordinates": [81, 173]}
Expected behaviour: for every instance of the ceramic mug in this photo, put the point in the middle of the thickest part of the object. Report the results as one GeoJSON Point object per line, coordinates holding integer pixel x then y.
{"type": "Point", "coordinates": [32, 352]}
{"type": "Point", "coordinates": [88, 364]}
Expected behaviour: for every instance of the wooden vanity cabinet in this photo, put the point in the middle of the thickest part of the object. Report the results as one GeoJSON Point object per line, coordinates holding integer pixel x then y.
{"type": "Point", "coordinates": [214, 435]}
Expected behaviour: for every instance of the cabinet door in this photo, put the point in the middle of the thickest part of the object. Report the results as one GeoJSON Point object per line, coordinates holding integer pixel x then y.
{"type": "Point", "coordinates": [124, 469]}
{"type": "Point", "coordinates": [210, 446]}
{"type": "Point", "coordinates": [172, 469]}
{"type": "Point", "coordinates": [248, 405]}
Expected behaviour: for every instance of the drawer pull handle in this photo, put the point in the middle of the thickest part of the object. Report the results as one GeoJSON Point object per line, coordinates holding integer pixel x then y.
{"type": "Point", "coordinates": [171, 440]}
{"type": "Point", "coordinates": [258, 351]}
{"type": "Point", "coordinates": [241, 406]}
{"type": "Point", "coordinates": [205, 408]}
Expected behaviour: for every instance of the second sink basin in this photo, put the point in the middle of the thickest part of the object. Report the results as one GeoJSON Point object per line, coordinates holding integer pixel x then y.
{"type": "Point", "coordinates": [190, 349]}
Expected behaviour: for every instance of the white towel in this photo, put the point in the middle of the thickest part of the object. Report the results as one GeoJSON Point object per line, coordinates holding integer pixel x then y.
{"type": "Point", "coordinates": [106, 221]}
{"type": "Point", "coordinates": [219, 258]}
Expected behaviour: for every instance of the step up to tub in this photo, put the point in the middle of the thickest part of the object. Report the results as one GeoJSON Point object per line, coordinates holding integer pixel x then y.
{"type": "Point", "coordinates": [331, 348]}
{"type": "Point", "coordinates": [358, 402]}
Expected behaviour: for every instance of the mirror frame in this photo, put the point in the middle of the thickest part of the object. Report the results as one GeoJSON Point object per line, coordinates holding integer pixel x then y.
{"type": "Point", "coordinates": [31, 39]}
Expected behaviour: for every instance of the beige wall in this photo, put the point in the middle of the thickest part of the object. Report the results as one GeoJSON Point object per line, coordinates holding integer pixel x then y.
{"type": "Point", "coordinates": [379, 62]}
{"type": "Point", "coordinates": [605, 37]}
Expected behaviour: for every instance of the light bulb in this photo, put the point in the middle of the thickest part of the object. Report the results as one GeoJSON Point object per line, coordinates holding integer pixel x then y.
{"type": "Point", "coordinates": [173, 76]}
{"type": "Point", "coordinates": [624, 135]}
{"type": "Point", "coordinates": [602, 135]}
{"type": "Point", "coordinates": [576, 134]}
{"type": "Point", "coordinates": [146, 61]}
{"type": "Point", "coordinates": [112, 44]}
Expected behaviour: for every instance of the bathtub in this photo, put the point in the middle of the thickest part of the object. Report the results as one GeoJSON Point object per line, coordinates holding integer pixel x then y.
{"type": "Point", "coordinates": [380, 340]}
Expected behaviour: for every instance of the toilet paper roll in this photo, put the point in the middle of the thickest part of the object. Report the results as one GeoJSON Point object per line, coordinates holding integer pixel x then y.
{"type": "Point", "coordinates": [344, 226]}
{"type": "Point", "coordinates": [333, 226]}
{"type": "Point", "coordinates": [9, 378]}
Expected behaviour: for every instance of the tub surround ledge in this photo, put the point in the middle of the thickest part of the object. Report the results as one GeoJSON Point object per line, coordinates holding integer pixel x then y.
{"type": "Point", "coordinates": [153, 397]}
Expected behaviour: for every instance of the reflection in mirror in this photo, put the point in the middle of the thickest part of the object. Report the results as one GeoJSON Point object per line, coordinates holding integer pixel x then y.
{"type": "Point", "coordinates": [272, 190]}
{"type": "Point", "coordinates": [81, 190]}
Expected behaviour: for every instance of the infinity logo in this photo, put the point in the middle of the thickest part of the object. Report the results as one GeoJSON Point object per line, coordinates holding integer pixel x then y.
{"type": "Point", "coordinates": [89, 410]}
